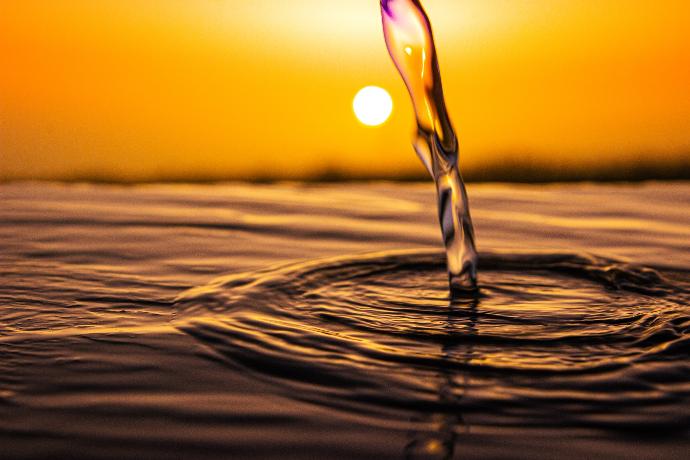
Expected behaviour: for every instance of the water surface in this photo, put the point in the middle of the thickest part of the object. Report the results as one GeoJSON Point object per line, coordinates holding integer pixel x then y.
{"type": "Point", "coordinates": [314, 321]}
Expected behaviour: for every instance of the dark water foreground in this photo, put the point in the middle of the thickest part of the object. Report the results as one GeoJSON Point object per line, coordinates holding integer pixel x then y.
{"type": "Point", "coordinates": [121, 334]}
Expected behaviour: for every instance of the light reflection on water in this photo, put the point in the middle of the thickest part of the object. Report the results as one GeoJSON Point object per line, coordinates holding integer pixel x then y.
{"type": "Point", "coordinates": [354, 357]}
{"type": "Point", "coordinates": [378, 335]}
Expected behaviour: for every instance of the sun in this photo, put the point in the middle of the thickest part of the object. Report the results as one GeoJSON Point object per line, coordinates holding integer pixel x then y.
{"type": "Point", "coordinates": [372, 105]}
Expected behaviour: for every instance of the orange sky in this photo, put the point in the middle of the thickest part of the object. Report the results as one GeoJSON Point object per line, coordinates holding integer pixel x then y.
{"type": "Point", "coordinates": [131, 89]}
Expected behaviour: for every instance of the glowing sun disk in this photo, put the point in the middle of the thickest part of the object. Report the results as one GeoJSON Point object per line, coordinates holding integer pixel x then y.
{"type": "Point", "coordinates": [372, 105]}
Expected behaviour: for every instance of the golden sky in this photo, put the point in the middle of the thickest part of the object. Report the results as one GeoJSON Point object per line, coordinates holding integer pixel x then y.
{"type": "Point", "coordinates": [139, 89]}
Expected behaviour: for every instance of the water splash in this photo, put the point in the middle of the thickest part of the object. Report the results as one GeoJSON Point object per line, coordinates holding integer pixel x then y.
{"type": "Point", "coordinates": [411, 46]}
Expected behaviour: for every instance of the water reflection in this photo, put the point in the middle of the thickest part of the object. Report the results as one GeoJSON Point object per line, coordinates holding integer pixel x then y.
{"type": "Point", "coordinates": [376, 335]}
{"type": "Point", "coordinates": [453, 387]}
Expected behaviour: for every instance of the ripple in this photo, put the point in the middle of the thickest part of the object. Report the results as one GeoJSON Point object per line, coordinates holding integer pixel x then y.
{"type": "Point", "coordinates": [380, 331]}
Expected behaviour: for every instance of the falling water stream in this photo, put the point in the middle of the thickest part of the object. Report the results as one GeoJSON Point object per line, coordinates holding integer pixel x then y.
{"type": "Point", "coordinates": [410, 44]}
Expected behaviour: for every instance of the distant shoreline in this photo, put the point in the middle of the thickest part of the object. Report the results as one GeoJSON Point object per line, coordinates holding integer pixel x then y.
{"type": "Point", "coordinates": [522, 172]}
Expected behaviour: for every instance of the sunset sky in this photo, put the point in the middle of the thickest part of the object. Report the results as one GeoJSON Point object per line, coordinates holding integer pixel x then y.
{"type": "Point", "coordinates": [148, 89]}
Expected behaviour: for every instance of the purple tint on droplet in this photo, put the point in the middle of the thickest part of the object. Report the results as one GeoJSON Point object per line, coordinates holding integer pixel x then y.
{"type": "Point", "coordinates": [385, 6]}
